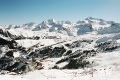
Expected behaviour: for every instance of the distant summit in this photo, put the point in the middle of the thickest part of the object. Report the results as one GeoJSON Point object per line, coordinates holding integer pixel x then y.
{"type": "Point", "coordinates": [69, 28]}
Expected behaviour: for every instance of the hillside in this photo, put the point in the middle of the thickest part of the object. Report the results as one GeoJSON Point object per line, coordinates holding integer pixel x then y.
{"type": "Point", "coordinates": [85, 50]}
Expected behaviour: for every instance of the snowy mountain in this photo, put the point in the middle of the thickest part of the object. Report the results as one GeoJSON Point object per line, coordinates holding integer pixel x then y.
{"type": "Point", "coordinates": [91, 46]}
{"type": "Point", "coordinates": [70, 28]}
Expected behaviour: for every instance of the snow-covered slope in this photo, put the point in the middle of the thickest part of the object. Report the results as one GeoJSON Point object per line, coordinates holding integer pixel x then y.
{"type": "Point", "coordinates": [68, 28]}
{"type": "Point", "coordinates": [107, 67]}
{"type": "Point", "coordinates": [82, 50]}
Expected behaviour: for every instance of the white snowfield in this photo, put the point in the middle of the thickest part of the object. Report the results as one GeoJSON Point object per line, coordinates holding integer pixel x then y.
{"type": "Point", "coordinates": [28, 43]}
{"type": "Point", "coordinates": [106, 66]}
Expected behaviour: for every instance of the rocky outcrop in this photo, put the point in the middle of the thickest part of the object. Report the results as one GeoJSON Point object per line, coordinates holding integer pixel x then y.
{"type": "Point", "coordinates": [77, 59]}
{"type": "Point", "coordinates": [48, 51]}
{"type": "Point", "coordinates": [4, 42]}
{"type": "Point", "coordinates": [107, 46]}
{"type": "Point", "coordinates": [19, 65]}
{"type": "Point", "coordinates": [78, 43]}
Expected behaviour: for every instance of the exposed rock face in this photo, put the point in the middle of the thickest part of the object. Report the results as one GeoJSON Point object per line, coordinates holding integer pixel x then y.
{"type": "Point", "coordinates": [75, 64]}
{"type": "Point", "coordinates": [78, 43]}
{"type": "Point", "coordinates": [9, 54]}
{"type": "Point", "coordinates": [84, 29]}
{"type": "Point", "coordinates": [4, 32]}
{"type": "Point", "coordinates": [5, 62]}
{"type": "Point", "coordinates": [48, 51]}
{"type": "Point", "coordinates": [107, 46]}
{"type": "Point", "coordinates": [18, 65]}
{"type": "Point", "coordinates": [4, 42]}
{"type": "Point", "coordinates": [78, 59]}
{"type": "Point", "coordinates": [58, 52]}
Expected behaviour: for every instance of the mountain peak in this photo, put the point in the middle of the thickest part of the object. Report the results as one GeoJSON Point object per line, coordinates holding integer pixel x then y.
{"type": "Point", "coordinates": [91, 18]}
{"type": "Point", "coordinates": [50, 21]}
{"type": "Point", "coordinates": [30, 23]}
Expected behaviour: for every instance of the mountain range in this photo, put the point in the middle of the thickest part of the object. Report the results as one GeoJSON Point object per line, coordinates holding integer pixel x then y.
{"type": "Point", "coordinates": [87, 44]}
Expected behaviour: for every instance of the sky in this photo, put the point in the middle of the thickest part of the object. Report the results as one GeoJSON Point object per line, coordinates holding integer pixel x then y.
{"type": "Point", "coordinates": [24, 11]}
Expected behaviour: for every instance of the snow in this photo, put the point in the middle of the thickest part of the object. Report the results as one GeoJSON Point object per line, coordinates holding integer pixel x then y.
{"type": "Point", "coordinates": [108, 59]}
{"type": "Point", "coordinates": [20, 31]}
{"type": "Point", "coordinates": [16, 54]}
{"type": "Point", "coordinates": [106, 66]}
{"type": "Point", "coordinates": [11, 77]}
{"type": "Point", "coordinates": [97, 26]}
{"type": "Point", "coordinates": [66, 28]}
{"type": "Point", "coordinates": [101, 74]}
{"type": "Point", "coordinates": [28, 43]}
